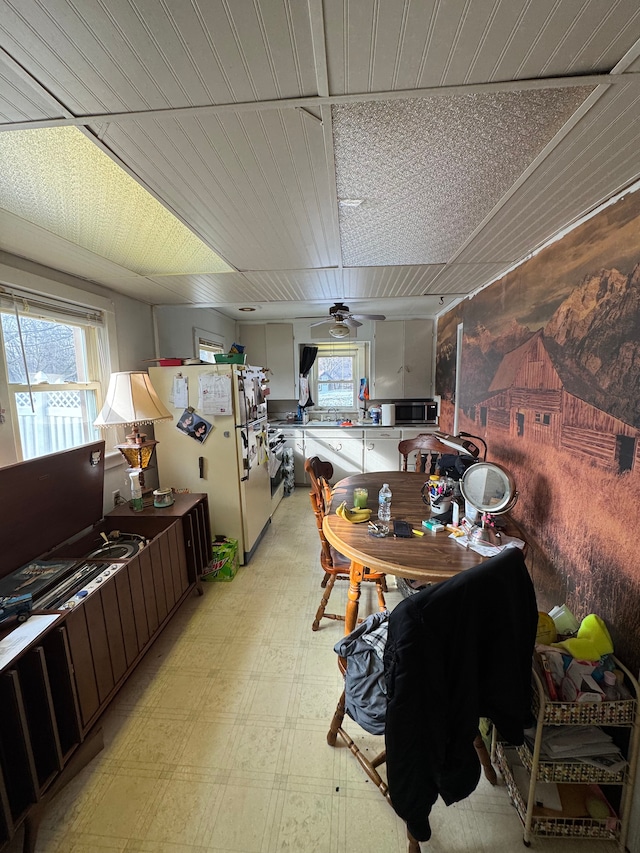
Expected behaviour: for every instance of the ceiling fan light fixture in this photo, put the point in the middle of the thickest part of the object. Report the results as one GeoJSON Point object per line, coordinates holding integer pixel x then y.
{"type": "Point", "coordinates": [340, 330]}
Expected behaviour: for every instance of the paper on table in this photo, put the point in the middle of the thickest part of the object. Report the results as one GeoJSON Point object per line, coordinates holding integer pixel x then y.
{"type": "Point", "coordinates": [488, 550]}
{"type": "Point", "coordinates": [20, 637]}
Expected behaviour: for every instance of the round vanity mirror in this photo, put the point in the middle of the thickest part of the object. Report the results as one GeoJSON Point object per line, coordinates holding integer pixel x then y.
{"type": "Point", "coordinates": [489, 488]}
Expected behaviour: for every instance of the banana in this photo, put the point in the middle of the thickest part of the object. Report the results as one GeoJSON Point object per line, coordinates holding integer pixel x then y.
{"type": "Point", "coordinates": [355, 516]}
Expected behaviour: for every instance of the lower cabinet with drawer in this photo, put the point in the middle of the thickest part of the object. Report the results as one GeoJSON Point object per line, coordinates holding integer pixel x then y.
{"type": "Point", "coordinates": [341, 447]}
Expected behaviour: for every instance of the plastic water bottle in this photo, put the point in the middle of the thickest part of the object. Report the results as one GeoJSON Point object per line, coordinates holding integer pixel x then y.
{"type": "Point", "coordinates": [384, 503]}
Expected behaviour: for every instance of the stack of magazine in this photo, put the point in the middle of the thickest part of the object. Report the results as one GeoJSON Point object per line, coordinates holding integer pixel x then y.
{"type": "Point", "coordinates": [586, 744]}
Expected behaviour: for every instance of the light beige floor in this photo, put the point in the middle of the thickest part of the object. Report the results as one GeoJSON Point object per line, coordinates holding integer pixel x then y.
{"type": "Point", "coordinates": [217, 742]}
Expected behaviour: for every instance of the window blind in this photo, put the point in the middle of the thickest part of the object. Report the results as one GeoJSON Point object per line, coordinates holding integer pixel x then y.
{"type": "Point", "coordinates": [49, 308]}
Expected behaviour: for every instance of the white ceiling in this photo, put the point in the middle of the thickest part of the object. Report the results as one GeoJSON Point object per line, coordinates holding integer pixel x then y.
{"type": "Point", "coordinates": [471, 131]}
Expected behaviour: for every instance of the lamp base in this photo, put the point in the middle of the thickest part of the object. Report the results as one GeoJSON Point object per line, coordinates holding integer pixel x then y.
{"type": "Point", "coordinates": [138, 456]}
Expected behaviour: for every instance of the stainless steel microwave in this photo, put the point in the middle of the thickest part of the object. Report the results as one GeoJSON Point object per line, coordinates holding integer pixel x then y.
{"type": "Point", "coordinates": [416, 412]}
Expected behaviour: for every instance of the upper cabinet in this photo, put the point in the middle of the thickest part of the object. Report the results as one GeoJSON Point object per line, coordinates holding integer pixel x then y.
{"type": "Point", "coordinates": [270, 345]}
{"type": "Point", "coordinates": [403, 359]}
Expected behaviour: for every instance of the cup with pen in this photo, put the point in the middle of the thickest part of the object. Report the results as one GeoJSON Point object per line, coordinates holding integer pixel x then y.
{"type": "Point", "coordinates": [437, 493]}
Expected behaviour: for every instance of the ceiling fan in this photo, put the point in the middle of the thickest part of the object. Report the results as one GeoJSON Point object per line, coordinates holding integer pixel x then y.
{"type": "Point", "coordinates": [343, 320]}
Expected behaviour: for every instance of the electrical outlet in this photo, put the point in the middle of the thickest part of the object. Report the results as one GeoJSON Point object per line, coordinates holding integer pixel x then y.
{"type": "Point", "coordinates": [115, 494]}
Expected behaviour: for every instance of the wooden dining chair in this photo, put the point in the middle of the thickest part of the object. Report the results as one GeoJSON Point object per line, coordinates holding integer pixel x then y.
{"type": "Point", "coordinates": [427, 449]}
{"type": "Point", "coordinates": [335, 565]}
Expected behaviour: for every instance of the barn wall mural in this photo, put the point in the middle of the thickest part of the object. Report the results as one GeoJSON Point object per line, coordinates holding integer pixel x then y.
{"type": "Point", "coordinates": [550, 378]}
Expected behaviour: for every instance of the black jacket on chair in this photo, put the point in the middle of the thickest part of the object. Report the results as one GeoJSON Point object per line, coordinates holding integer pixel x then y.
{"type": "Point", "coordinates": [457, 651]}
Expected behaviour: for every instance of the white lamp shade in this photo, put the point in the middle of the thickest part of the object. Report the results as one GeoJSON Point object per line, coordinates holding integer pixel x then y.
{"type": "Point", "coordinates": [131, 399]}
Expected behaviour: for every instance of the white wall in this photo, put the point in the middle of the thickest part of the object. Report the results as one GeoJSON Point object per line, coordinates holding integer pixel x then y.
{"type": "Point", "coordinates": [175, 329]}
{"type": "Point", "coordinates": [130, 337]}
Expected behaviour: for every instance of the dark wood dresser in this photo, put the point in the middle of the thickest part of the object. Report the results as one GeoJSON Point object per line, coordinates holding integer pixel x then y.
{"type": "Point", "coordinates": [60, 669]}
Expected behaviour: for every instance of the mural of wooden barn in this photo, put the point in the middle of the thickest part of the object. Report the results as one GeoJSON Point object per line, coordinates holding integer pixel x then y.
{"type": "Point", "coordinates": [538, 394]}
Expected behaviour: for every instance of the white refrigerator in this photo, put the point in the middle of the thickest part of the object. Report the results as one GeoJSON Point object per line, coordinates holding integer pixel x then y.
{"type": "Point", "coordinates": [231, 465]}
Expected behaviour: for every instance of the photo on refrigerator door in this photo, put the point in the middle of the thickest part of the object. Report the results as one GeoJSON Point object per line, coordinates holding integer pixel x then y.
{"type": "Point", "coordinates": [194, 425]}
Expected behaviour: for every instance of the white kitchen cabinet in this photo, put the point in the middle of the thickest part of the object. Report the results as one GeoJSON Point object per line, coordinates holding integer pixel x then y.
{"type": "Point", "coordinates": [403, 359]}
{"type": "Point", "coordinates": [341, 447]}
{"type": "Point", "coordinates": [381, 449]}
{"type": "Point", "coordinates": [271, 345]}
{"type": "Point", "coordinates": [252, 337]}
{"type": "Point", "coordinates": [280, 361]}
{"type": "Point", "coordinates": [414, 432]}
{"type": "Point", "coordinates": [294, 440]}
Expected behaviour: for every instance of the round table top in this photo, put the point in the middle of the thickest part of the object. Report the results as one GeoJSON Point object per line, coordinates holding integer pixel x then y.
{"type": "Point", "coordinates": [432, 557]}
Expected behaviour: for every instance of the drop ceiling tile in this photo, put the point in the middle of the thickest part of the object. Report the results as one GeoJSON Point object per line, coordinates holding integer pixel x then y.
{"type": "Point", "coordinates": [429, 170]}
{"type": "Point", "coordinates": [19, 100]}
{"type": "Point", "coordinates": [119, 55]}
{"type": "Point", "coordinates": [599, 158]}
{"type": "Point", "coordinates": [395, 282]}
{"type": "Point", "coordinates": [392, 46]}
{"type": "Point", "coordinates": [256, 186]}
{"type": "Point", "coordinates": [463, 278]}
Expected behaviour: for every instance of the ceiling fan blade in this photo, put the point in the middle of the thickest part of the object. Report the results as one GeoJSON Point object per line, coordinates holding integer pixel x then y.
{"type": "Point", "coordinates": [369, 316]}
{"type": "Point", "coordinates": [319, 323]}
{"type": "Point", "coordinates": [353, 324]}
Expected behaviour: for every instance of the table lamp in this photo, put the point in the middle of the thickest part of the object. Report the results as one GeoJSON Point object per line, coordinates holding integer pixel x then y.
{"type": "Point", "coordinates": [131, 400]}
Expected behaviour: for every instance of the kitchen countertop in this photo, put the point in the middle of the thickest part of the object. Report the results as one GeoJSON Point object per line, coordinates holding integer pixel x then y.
{"type": "Point", "coordinates": [356, 424]}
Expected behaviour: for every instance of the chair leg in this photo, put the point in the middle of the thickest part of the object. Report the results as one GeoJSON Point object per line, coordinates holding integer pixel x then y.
{"type": "Point", "coordinates": [380, 589]}
{"type": "Point", "coordinates": [336, 722]}
{"type": "Point", "coordinates": [485, 760]}
{"type": "Point", "coordinates": [414, 845]}
{"type": "Point", "coordinates": [368, 765]}
{"type": "Point", "coordinates": [325, 579]}
{"type": "Point", "coordinates": [323, 605]}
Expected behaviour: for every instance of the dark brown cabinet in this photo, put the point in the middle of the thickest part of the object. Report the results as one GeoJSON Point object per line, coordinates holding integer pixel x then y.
{"type": "Point", "coordinates": [112, 628]}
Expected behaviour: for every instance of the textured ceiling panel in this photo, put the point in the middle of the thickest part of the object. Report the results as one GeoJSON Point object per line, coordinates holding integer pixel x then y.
{"type": "Point", "coordinates": [97, 56]}
{"type": "Point", "coordinates": [59, 179]}
{"type": "Point", "coordinates": [429, 170]}
{"type": "Point", "coordinates": [258, 174]}
{"type": "Point", "coordinates": [405, 45]}
{"type": "Point", "coordinates": [600, 157]}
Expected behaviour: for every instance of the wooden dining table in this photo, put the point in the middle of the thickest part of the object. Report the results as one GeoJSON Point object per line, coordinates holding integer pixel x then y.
{"type": "Point", "coordinates": [430, 558]}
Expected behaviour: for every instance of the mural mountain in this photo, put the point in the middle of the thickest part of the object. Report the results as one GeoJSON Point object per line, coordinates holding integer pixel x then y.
{"type": "Point", "coordinates": [593, 338]}
{"type": "Point", "coordinates": [597, 332]}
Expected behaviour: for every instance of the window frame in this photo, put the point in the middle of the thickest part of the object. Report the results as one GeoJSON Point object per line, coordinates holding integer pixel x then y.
{"type": "Point", "coordinates": [58, 302]}
{"type": "Point", "coordinates": [207, 342]}
{"type": "Point", "coordinates": [359, 350]}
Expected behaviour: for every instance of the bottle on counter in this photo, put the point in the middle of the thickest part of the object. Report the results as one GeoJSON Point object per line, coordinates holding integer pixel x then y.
{"type": "Point", "coordinates": [384, 503]}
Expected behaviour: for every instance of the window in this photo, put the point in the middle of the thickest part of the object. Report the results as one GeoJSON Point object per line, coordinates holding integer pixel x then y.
{"type": "Point", "coordinates": [53, 370]}
{"type": "Point", "coordinates": [205, 346]}
{"type": "Point", "coordinates": [543, 418]}
{"type": "Point", "coordinates": [335, 376]}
